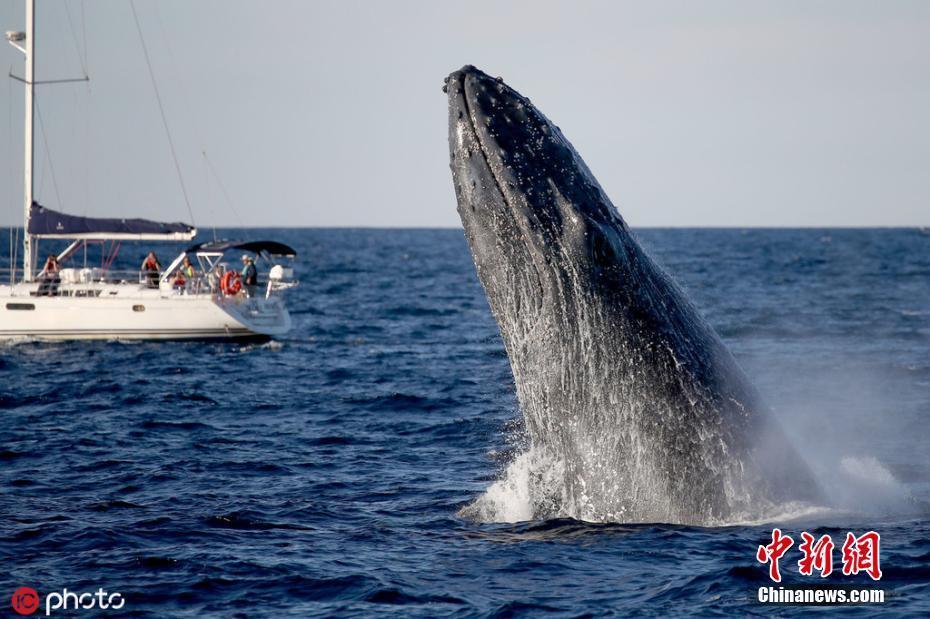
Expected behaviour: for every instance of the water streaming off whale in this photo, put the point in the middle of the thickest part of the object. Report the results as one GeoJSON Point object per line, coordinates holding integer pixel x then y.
{"type": "Point", "coordinates": [634, 410]}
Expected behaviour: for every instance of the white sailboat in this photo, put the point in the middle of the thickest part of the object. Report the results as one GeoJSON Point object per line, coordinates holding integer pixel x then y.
{"type": "Point", "coordinates": [65, 302]}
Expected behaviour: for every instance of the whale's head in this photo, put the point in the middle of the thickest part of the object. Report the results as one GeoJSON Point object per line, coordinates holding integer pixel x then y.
{"type": "Point", "coordinates": [532, 211]}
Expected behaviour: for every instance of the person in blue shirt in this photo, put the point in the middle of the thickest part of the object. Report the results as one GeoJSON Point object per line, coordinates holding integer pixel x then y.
{"type": "Point", "coordinates": [249, 274]}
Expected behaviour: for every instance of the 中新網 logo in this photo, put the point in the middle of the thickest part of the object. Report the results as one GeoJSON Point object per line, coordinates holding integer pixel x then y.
{"type": "Point", "coordinates": [859, 554]}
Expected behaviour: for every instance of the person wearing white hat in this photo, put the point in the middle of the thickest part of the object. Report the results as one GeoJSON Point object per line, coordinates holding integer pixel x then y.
{"type": "Point", "coordinates": [249, 274]}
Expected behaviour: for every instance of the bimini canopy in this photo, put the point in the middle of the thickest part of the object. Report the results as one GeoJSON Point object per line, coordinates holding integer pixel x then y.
{"type": "Point", "coordinates": [271, 247]}
{"type": "Point", "coordinates": [46, 223]}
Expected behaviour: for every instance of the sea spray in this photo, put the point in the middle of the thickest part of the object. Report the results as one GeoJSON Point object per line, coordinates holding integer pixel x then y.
{"type": "Point", "coordinates": [531, 487]}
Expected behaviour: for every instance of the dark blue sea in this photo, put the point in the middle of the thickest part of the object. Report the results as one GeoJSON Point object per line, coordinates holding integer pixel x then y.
{"type": "Point", "coordinates": [321, 474]}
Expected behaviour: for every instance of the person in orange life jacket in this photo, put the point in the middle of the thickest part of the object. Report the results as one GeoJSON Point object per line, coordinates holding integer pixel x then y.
{"type": "Point", "coordinates": [151, 267]}
{"type": "Point", "coordinates": [49, 278]}
{"type": "Point", "coordinates": [51, 267]}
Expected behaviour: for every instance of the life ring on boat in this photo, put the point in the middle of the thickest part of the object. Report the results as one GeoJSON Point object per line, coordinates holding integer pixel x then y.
{"type": "Point", "coordinates": [230, 283]}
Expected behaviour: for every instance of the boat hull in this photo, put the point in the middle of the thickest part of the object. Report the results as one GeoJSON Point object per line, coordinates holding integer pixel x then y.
{"type": "Point", "coordinates": [112, 316]}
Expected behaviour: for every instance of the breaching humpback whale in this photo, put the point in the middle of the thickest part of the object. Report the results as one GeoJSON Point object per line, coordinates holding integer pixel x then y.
{"type": "Point", "coordinates": [627, 393]}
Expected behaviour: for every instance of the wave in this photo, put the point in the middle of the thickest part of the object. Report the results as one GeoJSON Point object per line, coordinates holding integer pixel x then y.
{"type": "Point", "coordinates": [532, 488]}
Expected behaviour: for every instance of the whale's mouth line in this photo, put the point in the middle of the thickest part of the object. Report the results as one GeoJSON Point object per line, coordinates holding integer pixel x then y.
{"type": "Point", "coordinates": [520, 219]}
{"type": "Point", "coordinates": [483, 148]}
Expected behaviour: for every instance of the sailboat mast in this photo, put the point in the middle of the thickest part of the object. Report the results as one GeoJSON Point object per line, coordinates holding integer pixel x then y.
{"type": "Point", "coordinates": [29, 138]}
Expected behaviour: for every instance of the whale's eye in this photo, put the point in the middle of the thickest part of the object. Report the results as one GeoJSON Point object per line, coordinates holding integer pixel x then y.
{"type": "Point", "coordinates": [606, 255]}
{"type": "Point", "coordinates": [602, 250]}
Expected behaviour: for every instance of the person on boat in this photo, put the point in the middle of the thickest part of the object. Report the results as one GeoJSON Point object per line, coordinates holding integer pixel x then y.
{"type": "Point", "coordinates": [50, 277]}
{"type": "Point", "coordinates": [180, 282]}
{"type": "Point", "coordinates": [151, 268]}
{"type": "Point", "coordinates": [184, 276]}
{"type": "Point", "coordinates": [186, 268]}
{"type": "Point", "coordinates": [249, 274]}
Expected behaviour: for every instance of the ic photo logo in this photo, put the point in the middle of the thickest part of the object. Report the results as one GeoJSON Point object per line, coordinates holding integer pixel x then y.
{"type": "Point", "coordinates": [26, 601]}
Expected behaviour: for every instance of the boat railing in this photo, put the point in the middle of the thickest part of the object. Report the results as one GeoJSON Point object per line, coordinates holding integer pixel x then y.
{"type": "Point", "coordinates": [90, 278]}
{"type": "Point", "coordinates": [97, 275]}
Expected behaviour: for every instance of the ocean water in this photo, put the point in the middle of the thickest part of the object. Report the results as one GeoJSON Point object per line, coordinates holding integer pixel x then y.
{"type": "Point", "coordinates": [321, 474]}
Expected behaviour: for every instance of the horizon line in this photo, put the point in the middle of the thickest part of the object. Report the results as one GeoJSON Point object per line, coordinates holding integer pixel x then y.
{"type": "Point", "coordinates": [204, 227]}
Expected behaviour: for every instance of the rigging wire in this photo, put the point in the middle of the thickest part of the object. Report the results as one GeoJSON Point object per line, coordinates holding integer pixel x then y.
{"type": "Point", "coordinates": [80, 48]}
{"type": "Point", "coordinates": [222, 187]}
{"type": "Point", "coordinates": [77, 47]}
{"type": "Point", "coordinates": [161, 109]}
{"type": "Point", "coordinates": [88, 131]}
{"type": "Point", "coordinates": [209, 200]}
{"type": "Point", "coordinates": [185, 94]}
{"type": "Point", "coordinates": [48, 152]}
{"type": "Point", "coordinates": [11, 256]}
{"type": "Point", "coordinates": [84, 34]}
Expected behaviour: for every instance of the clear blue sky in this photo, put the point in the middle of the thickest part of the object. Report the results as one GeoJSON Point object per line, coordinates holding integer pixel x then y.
{"type": "Point", "coordinates": [326, 113]}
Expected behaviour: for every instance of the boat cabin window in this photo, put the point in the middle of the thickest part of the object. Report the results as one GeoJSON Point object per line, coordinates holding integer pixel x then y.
{"type": "Point", "coordinates": [20, 306]}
